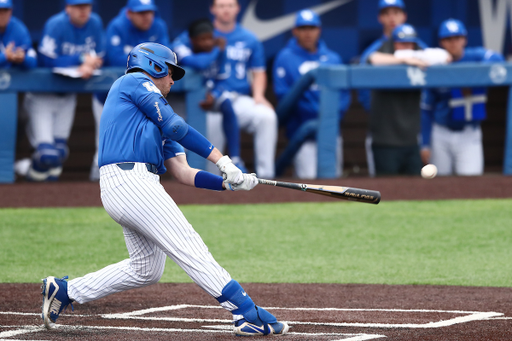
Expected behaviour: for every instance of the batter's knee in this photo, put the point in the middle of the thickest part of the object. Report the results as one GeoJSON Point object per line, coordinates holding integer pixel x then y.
{"type": "Point", "coordinates": [151, 272]}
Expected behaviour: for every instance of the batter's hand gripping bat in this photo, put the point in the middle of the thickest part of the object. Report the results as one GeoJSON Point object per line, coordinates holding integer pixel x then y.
{"type": "Point", "coordinates": [338, 192]}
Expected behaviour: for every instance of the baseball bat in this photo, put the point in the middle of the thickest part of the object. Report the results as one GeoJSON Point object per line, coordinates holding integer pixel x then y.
{"type": "Point", "coordinates": [338, 192]}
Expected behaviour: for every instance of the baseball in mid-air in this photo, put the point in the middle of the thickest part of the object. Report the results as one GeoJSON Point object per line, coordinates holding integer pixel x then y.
{"type": "Point", "coordinates": [429, 171]}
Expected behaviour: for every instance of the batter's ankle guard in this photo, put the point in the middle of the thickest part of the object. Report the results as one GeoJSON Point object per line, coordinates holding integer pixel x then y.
{"type": "Point", "coordinates": [234, 294]}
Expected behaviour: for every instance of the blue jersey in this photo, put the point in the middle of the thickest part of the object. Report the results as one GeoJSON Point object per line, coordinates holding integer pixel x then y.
{"type": "Point", "coordinates": [244, 53]}
{"type": "Point", "coordinates": [290, 65]}
{"type": "Point", "coordinates": [363, 94]}
{"type": "Point", "coordinates": [122, 37]}
{"type": "Point", "coordinates": [131, 124]}
{"type": "Point", "coordinates": [64, 44]}
{"type": "Point", "coordinates": [16, 32]}
{"type": "Point", "coordinates": [211, 64]}
{"type": "Point", "coordinates": [456, 107]}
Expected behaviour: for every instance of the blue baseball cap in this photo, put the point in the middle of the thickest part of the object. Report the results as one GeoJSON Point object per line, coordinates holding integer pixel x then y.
{"type": "Point", "coordinates": [78, 2]}
{"type": "Point", "coordinates": [307, 17]}
{"type": "Point", "coordinates": [5, 3]}
{"type": "Point", "coordinates": [141, 5]}
{"type": "Point", "coordinates": [391, 3]}
{"type": "Point", "coordinates": [405, 34]}
{"type": "Point", "coordinates": [452, 28]}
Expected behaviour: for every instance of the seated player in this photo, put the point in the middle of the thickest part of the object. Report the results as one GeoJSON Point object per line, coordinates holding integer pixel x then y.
{"type": "Point", "coordinates": [451, 133]}
{"type": "Point", "coordinates": [71, 38]}
{"type": "Point", "coordinates": [305, 52]}
{"type": "Point", "coordinates": [15, 43]}
{"type": "Point", "coordinates": [208, 55]}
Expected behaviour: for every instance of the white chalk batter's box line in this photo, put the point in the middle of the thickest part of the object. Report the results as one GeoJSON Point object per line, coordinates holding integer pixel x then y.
{"type": "Point", "coordinates": [226, 326]}
{"type": "Point", "coordinates": [468, 316]}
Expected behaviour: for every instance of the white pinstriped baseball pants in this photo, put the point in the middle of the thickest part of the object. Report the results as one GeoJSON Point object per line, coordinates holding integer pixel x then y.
{"type": "Point", "coordinates": [154, 227]}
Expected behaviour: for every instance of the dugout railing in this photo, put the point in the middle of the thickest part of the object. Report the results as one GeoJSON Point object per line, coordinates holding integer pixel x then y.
{"type": "Point", "coordinates": [330, 79]}
{"type": "Point", "coordinates": [43, 80]}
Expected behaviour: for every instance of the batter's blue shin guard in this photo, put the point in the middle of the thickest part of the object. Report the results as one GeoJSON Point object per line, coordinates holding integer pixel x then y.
{"type": "Point", "coordinates": [256, 320]}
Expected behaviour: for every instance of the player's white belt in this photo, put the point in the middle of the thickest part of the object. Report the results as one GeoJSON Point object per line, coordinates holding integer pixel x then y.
{"type": "Point", "coordinates": [130, 165]}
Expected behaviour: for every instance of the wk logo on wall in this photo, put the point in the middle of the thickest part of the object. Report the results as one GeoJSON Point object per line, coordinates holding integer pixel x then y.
{"type": "Point", "coordinates": [270, 28]}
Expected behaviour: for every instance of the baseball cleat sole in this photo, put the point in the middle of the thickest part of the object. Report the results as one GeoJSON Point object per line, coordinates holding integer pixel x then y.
{"type": "Point", "coordinates": [47, 301]}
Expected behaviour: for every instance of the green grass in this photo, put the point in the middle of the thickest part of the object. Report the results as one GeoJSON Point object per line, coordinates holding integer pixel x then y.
{"type": "Point", "coordinates": [456, 242]}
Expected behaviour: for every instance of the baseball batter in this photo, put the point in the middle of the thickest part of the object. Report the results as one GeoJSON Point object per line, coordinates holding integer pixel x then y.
{"type": "Point", "coordinates": [72, 38]}
{"type": "Point", "coordinates": [136, 23]}
{"type": "Point", "coordinates": [140, 137]}
{"type": "Point", "coordinates": [452, 137]}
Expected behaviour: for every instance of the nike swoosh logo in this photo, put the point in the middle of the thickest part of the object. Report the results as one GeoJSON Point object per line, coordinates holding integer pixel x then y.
{"type": "Point", "coordinates": [267, 29]}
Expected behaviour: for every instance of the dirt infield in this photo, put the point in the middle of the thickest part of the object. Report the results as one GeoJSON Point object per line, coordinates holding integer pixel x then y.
{"type": "Point", "coordinates": [315, 311]}
{"type": "Point", "coordinates": [323, 312]}
{"type": "Point", "coordinates": [76, 194]}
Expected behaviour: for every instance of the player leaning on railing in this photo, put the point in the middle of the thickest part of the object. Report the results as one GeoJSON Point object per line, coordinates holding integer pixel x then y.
{"type": "Point", "coordinates": [451, 133]}
{"type": "Point", "coordinates": [72, 38]}
{"type": "Point", "coordinates": [139, 133]}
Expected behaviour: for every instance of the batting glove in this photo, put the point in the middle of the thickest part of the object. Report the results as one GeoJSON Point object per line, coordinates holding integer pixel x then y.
{"type": "Point", "coordinates": [231, 173]}
{"type": "Point", "coordinates": [250, 181]}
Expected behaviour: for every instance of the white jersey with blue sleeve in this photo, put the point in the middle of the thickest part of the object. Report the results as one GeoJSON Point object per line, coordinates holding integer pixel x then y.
{"type": "Point", "coordinates": [122, 36]}
{"type": "Point", "coordinates": [64, 44]}
{"type": "Point", "coordinates": [456, 108]}
{"type": "Point", "coordinates": [16, 32]}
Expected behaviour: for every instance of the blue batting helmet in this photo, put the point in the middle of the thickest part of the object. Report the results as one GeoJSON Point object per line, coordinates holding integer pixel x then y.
{"type": "Point", "coordinates": [155, 59]}
{"type": "Point", "coordinates": [452, 28]}
{"type": "Point", "coordinates": [405, 34]}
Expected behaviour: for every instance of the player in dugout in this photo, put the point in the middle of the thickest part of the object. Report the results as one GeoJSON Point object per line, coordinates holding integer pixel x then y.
{"type": "Point", "coordinates": [246, 86]}
{"type": "Point", "coordinates": [140, 137]}
{"type": "Point", "coordinates": [136, 23]}
{"type": "Point", "coordinates": [15, 43]}
{"type": "Point", "coordinates": [305, 52]}
{"type": "Point", "coordinates": [207, 54]}
{"type": "Point", "coordinates": [451, 133]}
{"type": "Point", "coordinates": [395, 114]}
{"type": "Point", "coordinates": [391, 13]}
{"type": "Point", "coordinates": [72, 38]}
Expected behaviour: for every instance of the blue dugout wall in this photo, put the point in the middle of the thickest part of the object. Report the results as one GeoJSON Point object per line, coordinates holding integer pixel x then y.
{"type": "Point", "coordinates": [349, 26]}
{"type": "Point", "coordinates": [331, 79]}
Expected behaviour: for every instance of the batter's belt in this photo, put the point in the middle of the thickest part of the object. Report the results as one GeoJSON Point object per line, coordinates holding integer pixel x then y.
{"type": "Point", "coordinates": [129, 166]}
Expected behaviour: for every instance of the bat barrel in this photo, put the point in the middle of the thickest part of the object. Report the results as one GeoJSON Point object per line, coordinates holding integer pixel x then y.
{"type": "Point", "coordinates": [362, 195]}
